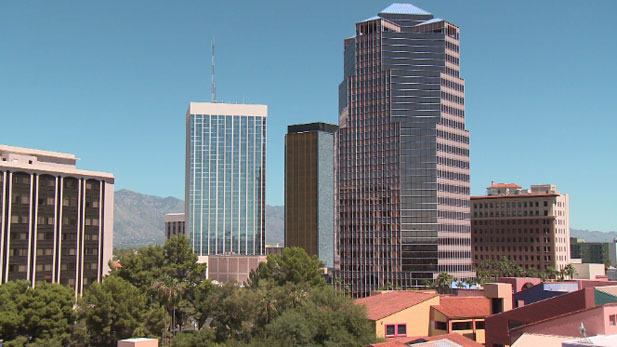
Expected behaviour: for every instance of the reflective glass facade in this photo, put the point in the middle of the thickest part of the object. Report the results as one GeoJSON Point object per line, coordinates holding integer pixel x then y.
{"type": "Point", "coordinates": [226, 156]}
{"type": "Point", "coordinates": [403, 154]}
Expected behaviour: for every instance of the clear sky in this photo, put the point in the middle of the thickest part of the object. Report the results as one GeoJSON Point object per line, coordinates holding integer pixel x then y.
{"type": "Point", "coordinates": [110, 81]}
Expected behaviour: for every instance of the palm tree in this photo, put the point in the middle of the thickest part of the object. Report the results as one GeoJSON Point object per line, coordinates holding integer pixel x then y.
{"type": "Point", "coordinates": [570, 271]}
{"type": "Point", "coordinates": [171, 289]}
{"type": "Point", "coordinates": [551, 273]}
{"type": "Point", "coordinates": [444, 281]}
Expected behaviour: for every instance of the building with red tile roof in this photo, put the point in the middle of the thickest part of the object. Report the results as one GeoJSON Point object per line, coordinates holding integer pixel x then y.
{"type": "Point", "coordinates": [427, 341]}
{"type": "Point", "coordinates": [400, 313]}
{"type": "Point", "coordinates": [462, 315]}
{"type": "Point", "coordinates": [385, 304]}
{"type": "Point", "coordinates": [464, 307]}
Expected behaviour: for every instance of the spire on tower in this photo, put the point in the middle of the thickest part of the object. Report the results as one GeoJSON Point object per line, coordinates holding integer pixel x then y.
{"type": "Point", "coordinates": [213, 86]}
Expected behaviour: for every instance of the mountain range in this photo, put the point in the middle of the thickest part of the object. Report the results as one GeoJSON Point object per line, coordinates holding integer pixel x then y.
{"type": "Point", "coordinates": [138, 221]}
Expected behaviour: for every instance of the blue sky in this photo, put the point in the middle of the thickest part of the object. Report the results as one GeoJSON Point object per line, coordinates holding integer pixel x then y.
{"type": "Point", "coordinates": [110, 81]}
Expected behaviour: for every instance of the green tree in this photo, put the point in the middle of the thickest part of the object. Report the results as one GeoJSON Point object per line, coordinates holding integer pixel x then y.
{"type": "Point", "coordinates": [293, 265]}
{"type": "Point", "coordinates": [114, 310]}
{"type": "Point", "coordinates": [551, 273]}
{"type": "Point", "coordinates": [532, 272]}
{"type": "Point", "coordinates": [569, 271]}
{"type": "Point", "coordinates": [201, 337]}
{"type": "Point", "coordinates": [326, 319]}
{"type": "Point", "coordinates": [443, 282]}
{"type": "Point", "coordinates": [36, 314]}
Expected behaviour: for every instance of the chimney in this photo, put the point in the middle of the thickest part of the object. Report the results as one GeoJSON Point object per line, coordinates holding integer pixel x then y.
{"type": "Point", "coordinates": [493, 182]}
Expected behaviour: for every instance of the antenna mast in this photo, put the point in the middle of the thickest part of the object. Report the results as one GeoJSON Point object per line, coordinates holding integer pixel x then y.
{"type": "Point", "coordinates": [213, 86]}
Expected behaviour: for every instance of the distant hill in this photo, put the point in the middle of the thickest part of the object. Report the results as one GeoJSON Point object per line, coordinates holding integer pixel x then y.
{"type": "Point", "coordinates": [593, 236]}
{"type": "Point", "coordinates": [138, 219]}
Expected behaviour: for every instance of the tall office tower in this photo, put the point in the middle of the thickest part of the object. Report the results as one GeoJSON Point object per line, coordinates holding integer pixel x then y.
{"type": "Point", "coordinates": [225, 178]}
{"type": "Point", "coordinates": [403, 175]}
{"type": "Point", "coordinates": [528, 226]}
{"type": "Point", "coordinates": [309, 189]}
{"type": "Point", "coordinates": [57, 220]}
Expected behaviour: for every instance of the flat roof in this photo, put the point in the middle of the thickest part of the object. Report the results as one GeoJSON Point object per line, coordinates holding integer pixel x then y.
{"type": "Point", "coordinates": [317, 126]}
{"type": "Point", "coordinates": [513, 196]}
{"type": "Point", "coordinates": [30, 151]}
{"type": "Point", "coordinates": [223, 109]}
{"type": "Point", "coordinates": [60, 169]}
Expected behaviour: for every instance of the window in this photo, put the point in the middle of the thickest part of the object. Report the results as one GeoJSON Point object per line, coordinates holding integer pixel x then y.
{"type": "Point", "coordinates": [462, 326]}
{"type": "Point", "coordinates": [479, 324]}
{"type": "Point", "coordinates": [396, 330]}
{"type": "Point", "coordinates": [613, 319]}
{"type": "Point", "coordinates": [441, 325]}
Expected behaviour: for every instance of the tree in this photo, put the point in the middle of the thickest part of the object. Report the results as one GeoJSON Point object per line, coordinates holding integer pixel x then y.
{"type": "Point", "coordinates": [201, 337]}
{"type": "Point", "coordinates": [293, 265]}
{"type": "Point", "coordinates": [326, 319]}
{"type": "Point", "coordinates": [114, 310]}
{"type": "Point", "coordinates": [532, 272]}
{"type": "Point", "coordinates": [444, 281]}
{"type": "Point", "coordinates": [550, 273]}
{"type": "Point", "coordinates": [36, 314]}
{"type": "Point", "coordinates": [569, 271]}
{"type": "Point", "coordinates": [171, 290]}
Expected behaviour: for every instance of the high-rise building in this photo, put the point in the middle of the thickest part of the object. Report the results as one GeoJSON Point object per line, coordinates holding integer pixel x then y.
{"type": "Point", "coordinates": [309, 189]}
{"type": "Point", "coordinates": [57, 220]}
{"type": "Point", "coordinates": [528, 226]}
{"type": "Point", "coordinates": [593, 252]}
{"type": "Point", "coordinates": [403, 173]}
{"type": "Point", "coordinates": [174, 225]}
{"type": "Point", "coordinates": [225, 179]}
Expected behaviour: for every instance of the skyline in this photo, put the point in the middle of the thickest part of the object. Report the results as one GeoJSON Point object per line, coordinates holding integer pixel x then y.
{"type": "Point", "coordinates": [125, 65]}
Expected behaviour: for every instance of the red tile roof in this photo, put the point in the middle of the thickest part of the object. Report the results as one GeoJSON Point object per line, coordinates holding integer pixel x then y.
{"type": "Point", "coordinates": [504, 185]}
{"type": "Point", "coordinates": [404, 341]}
{"type": "Point", "coordinates": [382, 305]}
{"type": "Point", "coordinates": [464, 307]}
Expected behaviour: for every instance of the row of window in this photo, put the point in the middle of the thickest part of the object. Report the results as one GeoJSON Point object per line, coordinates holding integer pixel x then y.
{"type": "Point", "coordinates": [509, 213]}
{"type": "Point", "coordinates": [453, 137]}
{"type": "Point", "coordinates": [453, 111]}
{"type": "Point", "coordinates": [519, 204]}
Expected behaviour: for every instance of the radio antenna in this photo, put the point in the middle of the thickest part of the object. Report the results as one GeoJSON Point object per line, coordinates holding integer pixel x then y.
{"type": "Point", "coordinates": [213, 85]}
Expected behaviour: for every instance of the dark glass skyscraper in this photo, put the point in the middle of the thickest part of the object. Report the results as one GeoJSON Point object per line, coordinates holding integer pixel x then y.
{"type": "Point", "coordinates": [309, 189]}
{"type": "Point", "coordinates": [403, 153]}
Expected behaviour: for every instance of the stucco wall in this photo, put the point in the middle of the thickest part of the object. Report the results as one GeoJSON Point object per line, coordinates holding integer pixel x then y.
{"type": "Point", "coordinates": [416, 318]}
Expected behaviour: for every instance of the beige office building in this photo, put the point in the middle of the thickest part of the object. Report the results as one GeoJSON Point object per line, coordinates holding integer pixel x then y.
{"type": "Point", "coordinates": [57, 220]}
{"type": "Point", "coordinates": [174, 225]}
{"type": "Point", "coordinates": [529, 226]}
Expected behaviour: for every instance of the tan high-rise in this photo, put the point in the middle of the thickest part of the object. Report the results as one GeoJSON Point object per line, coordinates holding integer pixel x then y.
{"type": "Point", "coordinates": [57, 220]}
{"type": "Point", "coordinates": [528, 226]}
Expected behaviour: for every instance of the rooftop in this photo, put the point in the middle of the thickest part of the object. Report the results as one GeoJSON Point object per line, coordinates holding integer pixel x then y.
{"type": "Point", "coordinates": [402, 8]}
{"type": "Point", "coordinates": [223, 109]}
{"type": "Point", "coordinates": [36, 152]}
{"type": "Point", "coordinates": [446, 340]}
{"type": "Point", "coordinates": [528, 339]}
{"type": "Point", "coordinates": [382, 305]}
{"type": "Point", "coordinates": [430, 21]}
{"type": "Point", "coordinates": [464, 307]}
{"type": "Point", "coordinates": [503, 185]}
{"type": "Point", "coordinates": [317, 126]}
